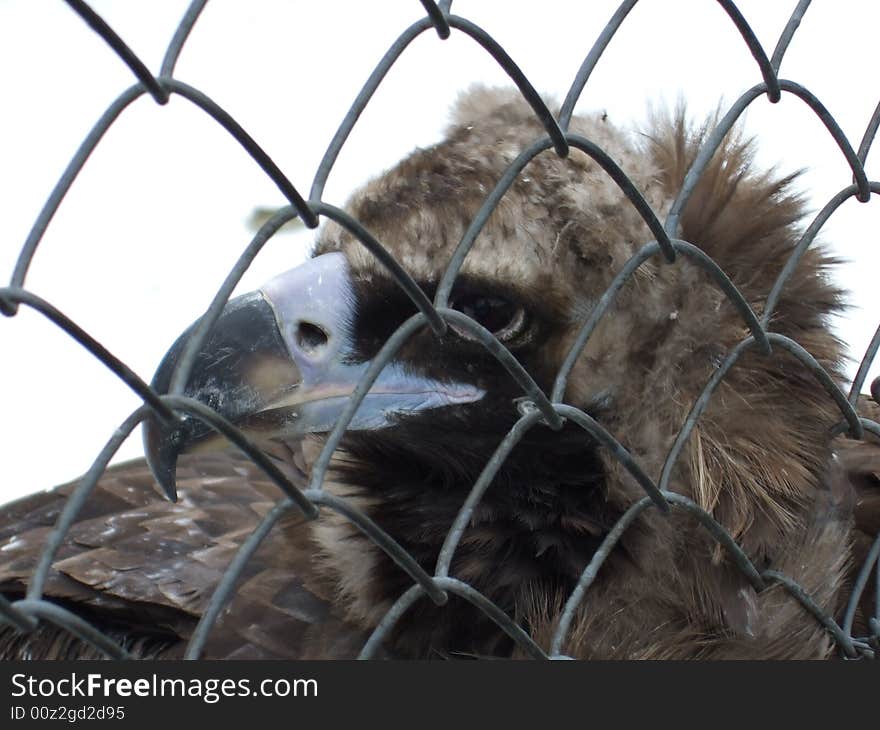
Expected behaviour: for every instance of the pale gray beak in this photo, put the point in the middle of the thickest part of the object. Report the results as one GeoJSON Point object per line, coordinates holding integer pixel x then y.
{"type": "Point", "coordinates": [277, 364]}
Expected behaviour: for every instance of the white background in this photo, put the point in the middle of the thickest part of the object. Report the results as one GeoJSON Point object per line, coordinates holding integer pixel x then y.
{"type": "Point", "coordinates": [160, 211]}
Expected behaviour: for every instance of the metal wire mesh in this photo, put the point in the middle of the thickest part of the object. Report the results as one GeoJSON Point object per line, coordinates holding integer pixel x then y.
{"type": "Point", "coordinates": [537, 408]}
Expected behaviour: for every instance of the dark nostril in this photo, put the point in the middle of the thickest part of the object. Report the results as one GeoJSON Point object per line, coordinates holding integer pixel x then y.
{"type": "Point", "coordinates": [310, 337]}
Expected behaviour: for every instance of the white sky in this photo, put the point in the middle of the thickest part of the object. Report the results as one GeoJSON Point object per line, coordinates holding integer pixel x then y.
{"type": "Point", "coordinates": [158, 215]}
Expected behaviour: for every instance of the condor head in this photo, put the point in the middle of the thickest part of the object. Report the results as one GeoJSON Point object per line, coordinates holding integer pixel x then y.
{"type": "Point", "coordinates": [282, 362]}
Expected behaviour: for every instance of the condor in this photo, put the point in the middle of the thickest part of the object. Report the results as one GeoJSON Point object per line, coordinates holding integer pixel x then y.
{"type": "Point", "coordinates": [281, 364]}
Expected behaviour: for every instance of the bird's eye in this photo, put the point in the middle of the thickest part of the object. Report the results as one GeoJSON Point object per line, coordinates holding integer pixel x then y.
{"type": "Point", "coordinates": [504, 319]}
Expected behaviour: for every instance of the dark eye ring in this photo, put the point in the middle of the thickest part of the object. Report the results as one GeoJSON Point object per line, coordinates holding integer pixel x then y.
{"type": "Point", "coordinates": [504, 319]}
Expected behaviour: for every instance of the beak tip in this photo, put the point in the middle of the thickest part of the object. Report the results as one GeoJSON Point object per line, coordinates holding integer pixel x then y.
{"type": "Point", "coordinates": [161, 449]}
{"type": "Point", "coordinates": [170, 490]}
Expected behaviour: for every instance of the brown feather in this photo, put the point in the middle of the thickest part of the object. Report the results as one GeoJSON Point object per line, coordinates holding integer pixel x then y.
{"type": "Point", "coordinates": [144, 569]}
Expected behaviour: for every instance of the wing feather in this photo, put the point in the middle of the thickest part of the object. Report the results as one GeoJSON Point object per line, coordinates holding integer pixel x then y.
{"type": "Point", "coordinates": [143, 569]}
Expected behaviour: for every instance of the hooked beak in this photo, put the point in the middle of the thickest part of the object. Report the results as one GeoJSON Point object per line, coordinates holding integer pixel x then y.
{"type": "Point", "coordinates": [277, 365]}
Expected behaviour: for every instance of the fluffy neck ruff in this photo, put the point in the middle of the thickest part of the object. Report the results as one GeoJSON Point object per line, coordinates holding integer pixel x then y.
{"type": "Point", "coordinates": [532, 534]}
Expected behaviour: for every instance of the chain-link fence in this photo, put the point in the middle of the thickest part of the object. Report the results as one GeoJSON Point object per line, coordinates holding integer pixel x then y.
{"type": "Point", "coordinates": [538, 409]}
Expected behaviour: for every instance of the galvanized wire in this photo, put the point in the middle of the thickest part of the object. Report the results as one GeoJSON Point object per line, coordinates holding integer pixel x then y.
{"type": "Point", "coordinates": [538, 409]}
